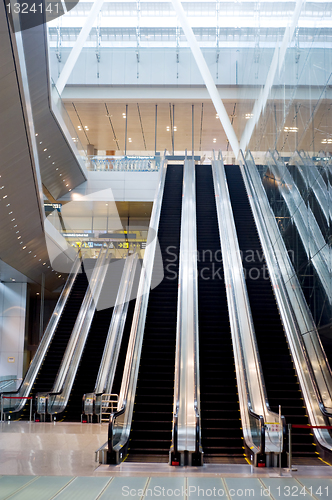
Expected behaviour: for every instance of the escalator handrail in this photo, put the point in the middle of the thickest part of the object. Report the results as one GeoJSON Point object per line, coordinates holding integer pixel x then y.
{"type": "Point", "coordinates": [130, 372]}
{"type": "Point", "coordinates": [240, 318]}
{"type": "Point", "coordinates": [58, 397]}
{"type": "Point", "coordinates": [315, 181]}
{"type": "Point", "coordinates": [35, 365]}
{"type": "Point", "coordinates": [303, 313]}
{"type": "Point", "coordinates": [187, 416]}
{"type": "Point", "coordinates": [301, 214]}
{"type": "Point", "coordinates": [105, 377]}
{"type": "Point", "coordinates": [267, 226]}
{"type": "Point", "coordinates": [304, 317]}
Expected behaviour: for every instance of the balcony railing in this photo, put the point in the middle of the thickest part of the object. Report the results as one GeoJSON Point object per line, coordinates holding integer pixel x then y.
{"type": "Point", "coordinates": [123, 163]}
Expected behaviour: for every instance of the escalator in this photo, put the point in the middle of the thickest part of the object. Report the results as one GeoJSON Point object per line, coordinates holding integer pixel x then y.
{"type": "Point", "coordinates": [281, 382]}
{"type": "Point", "coordinates": [89, 365]}
{"type": "Point", "coordinates": [46, 376]}
{"type": "Point", "coordinates": [151, 431]}
{"type": "Point", "coordinates": [220, 413]}
{"type": "Point", "coordinates": [126, 333]}
{"type": "Point", "coordinates": [310, 195]}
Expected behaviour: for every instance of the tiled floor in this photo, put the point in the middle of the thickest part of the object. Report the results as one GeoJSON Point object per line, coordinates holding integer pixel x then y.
{"type": "Point", "coordinates": [49, 461]}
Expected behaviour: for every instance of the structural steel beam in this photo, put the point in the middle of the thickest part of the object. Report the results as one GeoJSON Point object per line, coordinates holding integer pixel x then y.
{"type": "Point", "coordinates": [207, 77]}
{"type": "Point", "coordinates": [77, 48]}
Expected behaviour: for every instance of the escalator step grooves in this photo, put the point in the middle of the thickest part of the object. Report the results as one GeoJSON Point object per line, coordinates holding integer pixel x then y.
{"type": "Point", "coordinates": [151, 431]}
{"type": "Point", "coordinates": [279, 374]}
{"type": "Point", "coordinates": [220, 412]}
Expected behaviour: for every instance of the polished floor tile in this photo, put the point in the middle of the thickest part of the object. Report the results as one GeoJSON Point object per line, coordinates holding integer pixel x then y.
{"type": "Point", "coordinates": [30, 452]}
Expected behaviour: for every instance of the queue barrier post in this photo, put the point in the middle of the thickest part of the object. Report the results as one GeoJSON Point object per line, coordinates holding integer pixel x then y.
{"type": "Point", "coordinates": [290, 446]}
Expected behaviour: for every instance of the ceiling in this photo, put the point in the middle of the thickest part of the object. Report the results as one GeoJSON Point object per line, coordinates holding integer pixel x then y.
{"type": "Point", "coordinates": [122, 209]}
{"type": "Point", "coordinates": [22, 241]}
{"type": "Point", "coordinates": [106, 123]}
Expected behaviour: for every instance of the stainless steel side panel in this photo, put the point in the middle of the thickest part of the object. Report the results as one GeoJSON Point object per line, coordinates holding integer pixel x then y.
{"type": "Point", "coordinates": [186, 391]}
{"type": "Point", "coordinates": [309, 359]}
{"type": "Point", "coordinates": [250, 380]}
{"type": "Point", "coordinates": [58, 398]}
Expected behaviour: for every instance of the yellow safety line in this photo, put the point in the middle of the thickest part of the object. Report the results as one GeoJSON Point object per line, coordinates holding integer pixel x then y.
{"type": "Point", "coordinates": [324, 462]}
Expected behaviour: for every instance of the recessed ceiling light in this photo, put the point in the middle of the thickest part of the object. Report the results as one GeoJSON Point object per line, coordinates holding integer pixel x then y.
{"type": "Point", "coordinates": [5, 196]}
{"type": "Point", "coordinates": [19, 237]}
{"type": "Point", "coordinates": [37, 293]}
{"type": "Point", "coordinates": [67, 185]}
{"type": "Point", "coordinates": [60, 175]}
{"type": "Point", "coordinates": [45, 149]}
{"type": "Point", "coordinates": [8, 205]}
{"type": "Point", "coordinates": [36, 135]}
{"type": "Point", "coordinates": [15, 224]}
{"type": "Point", "coordinates": [69, 189]}
{"type": "Point", "coordinates": [10, 213]}
{"type": "Point", "coordinates": [24, 248]}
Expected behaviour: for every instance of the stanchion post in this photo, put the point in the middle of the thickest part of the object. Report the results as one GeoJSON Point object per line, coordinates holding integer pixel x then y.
{"type": "Point", "coordinates": [30, 409]}
{"type": "Point", "coordinates": [101, 404]}
{"type": "Point", "coordinates": [280, 434]}
{"type": "Point", "coordinates": [1, 408]}
{"type": "Point", "coordinates": [290, 446]}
